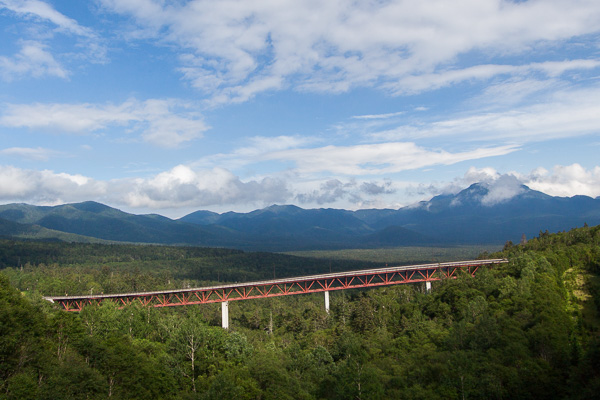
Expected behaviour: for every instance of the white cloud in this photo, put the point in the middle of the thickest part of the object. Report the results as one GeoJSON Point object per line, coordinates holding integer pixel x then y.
{"type": "Point", "coordinates": [37, 154]}
{"type": "Point", "coordinates": [43, 11]}
{"type": "Point", "coordinates": [358, 160]}
{"type": "Point", "coordinates": [328, 192]}
{"type": "Point", "coordinates": [499, 188]}
{"type": "Point", "coordinates": [165, 123]}
{"type": "Point", "coordinates": [185, 187]}
{"type": "Point", "coordinates": [263, 144]}
{"type": "Point", "coordinates": [234, 49]}
{"type": "Point", "coordinates": [475, 175]}
{"type": "Point", "coordinates": [424, 191]}
{"type": "Point", "coordinates": [514, 92]}
{"type": "Point", "coordinates": [565, 181]}
{"type": "Point", "coordinates": [33, 59]}
{"type": "Point", "coordinates": [349, 193]}
{"type": "Point", "coordinates": [46, 187]}
{"type": "Point", "coordinates": [297, 155]}
{"type": "Point", "coordinates": [375, 188]}
{"type": "Point", "coordinates": [376, 159]}
{"type": "Point", "coordinates": [177, 188]}
{"type": "Point", "coordinates": [72, 118]}
{"type": "Point", "coordinates": [378, 116]}
{"type": "Point", "coordinates": [436, 80]}
{"type": "Point", "coordinates": [37, 56]}
{"type": "Point", "coordinates": [257, 149]}
{"type": "Point", "coordinates": [502, 189]}
{"type": "Point", "coordinates": [563, 113]}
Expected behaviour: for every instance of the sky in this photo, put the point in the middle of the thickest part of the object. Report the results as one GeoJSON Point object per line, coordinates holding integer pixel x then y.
{"type": "Point", "coordinates": [173, 106]}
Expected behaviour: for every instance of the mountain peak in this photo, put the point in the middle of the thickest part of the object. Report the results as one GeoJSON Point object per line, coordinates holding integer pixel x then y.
{"type": "Point", "coordinates": [488, 194]}
{"type": "Point", "coordinates": [91, 206]}
{"type": "Point", "coordinates": [282, 209]}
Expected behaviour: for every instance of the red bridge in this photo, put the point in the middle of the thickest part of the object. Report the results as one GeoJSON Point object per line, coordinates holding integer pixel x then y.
{"type": "Point", "coordinates": [283, 287]}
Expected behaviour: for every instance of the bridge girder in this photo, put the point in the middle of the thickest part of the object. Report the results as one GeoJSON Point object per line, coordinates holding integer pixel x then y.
{"type": "Point", "coordinates": [283, 287]}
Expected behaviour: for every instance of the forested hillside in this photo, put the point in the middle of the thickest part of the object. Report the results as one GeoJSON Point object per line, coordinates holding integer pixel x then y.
{"type": "Point", "coordinates": [528, 329]}
{"type": "Point", "coordinates": [56, 268]}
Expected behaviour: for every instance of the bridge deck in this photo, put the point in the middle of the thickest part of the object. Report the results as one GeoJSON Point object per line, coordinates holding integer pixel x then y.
{"type": "Point", "coordinates": [283, 286]}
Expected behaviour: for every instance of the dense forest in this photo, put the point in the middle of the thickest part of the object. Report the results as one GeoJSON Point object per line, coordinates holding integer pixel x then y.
{"type": "Point", "coordinates": [528, 329]}
{"type": "Point", "coordinates": [56, 268]}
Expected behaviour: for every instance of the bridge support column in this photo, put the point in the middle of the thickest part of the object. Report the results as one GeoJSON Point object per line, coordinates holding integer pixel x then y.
{"type": "Point", "coordinates": [225, 315]}
{"type": "Point", "coordinates": [327, 301]}
{"type": "Point", "coordinates": [428, 286]}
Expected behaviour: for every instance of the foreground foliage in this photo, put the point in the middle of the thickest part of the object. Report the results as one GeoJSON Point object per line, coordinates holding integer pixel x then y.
{"type": "Point", "coordinates": [525, 330]}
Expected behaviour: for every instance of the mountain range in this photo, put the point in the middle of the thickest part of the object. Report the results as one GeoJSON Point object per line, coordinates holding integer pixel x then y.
{"type": "Point", "coordinates": [481, 214]}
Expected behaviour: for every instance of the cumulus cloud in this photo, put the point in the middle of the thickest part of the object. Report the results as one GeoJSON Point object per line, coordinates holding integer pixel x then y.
{"type": "Point", "coordinates": [504, 188]}
{"type": "Point", "coordinates": [374, 188]}
{"type": "Point", "coordinates": [500, 187]}
{"type": "Point", "coordinates": [47, 187]}
{"type": "Point", "coordinates": [165, 123]}
{"type": "Point", "coordinates": [565, 180]}
{"type": "Point", "coordinates": [235, 49]}
{"type": "Point", "coordinates": [185, 187]}
{"type": "Point", "coordinates": [328, 192]}
{"type": "Point", "coordinates": [177, 188]}
{"type": "Point", "coordinates": [349, 193]}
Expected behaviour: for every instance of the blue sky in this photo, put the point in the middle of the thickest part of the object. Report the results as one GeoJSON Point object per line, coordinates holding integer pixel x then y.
{"type": "Point", "coordinates": [174, 106]}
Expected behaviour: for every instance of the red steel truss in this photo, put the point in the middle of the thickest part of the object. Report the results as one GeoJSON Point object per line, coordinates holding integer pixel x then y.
{"type": "Point", "coordinates": [283, 287]}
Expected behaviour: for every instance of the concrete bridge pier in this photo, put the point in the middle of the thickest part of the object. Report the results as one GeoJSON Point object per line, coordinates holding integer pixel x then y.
{"type": "Point", "coordinates": [225, 315]}
{"type": "Point", "coordinates": [327, 301]}
{"type": "Point", "coordinates": [428, 286]}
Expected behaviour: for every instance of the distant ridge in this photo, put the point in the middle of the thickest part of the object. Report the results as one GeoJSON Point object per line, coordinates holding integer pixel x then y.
{"type": "Point", "coordinates": [103, 222]}
{"type": "Point", "coordinates": [15, 230]}
{"type": "Point", "coordinates": [480, 214]}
